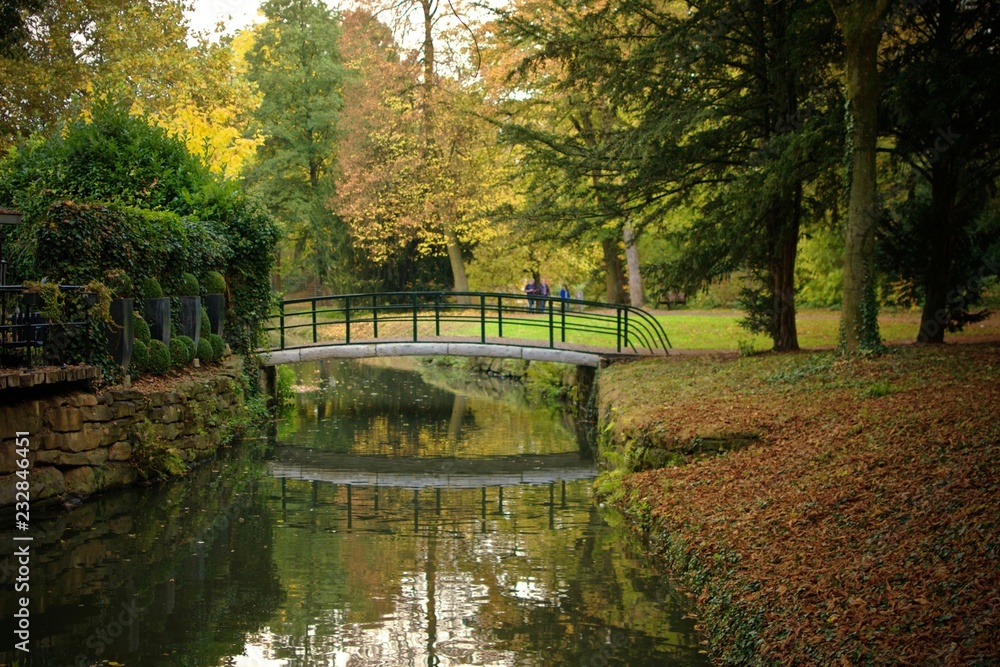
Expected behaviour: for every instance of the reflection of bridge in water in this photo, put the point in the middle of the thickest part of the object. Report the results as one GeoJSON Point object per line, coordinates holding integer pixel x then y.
{"type": "Point", "coordinates": [369, 474]}
{"type": "Point", "coordinates": [418, 473]}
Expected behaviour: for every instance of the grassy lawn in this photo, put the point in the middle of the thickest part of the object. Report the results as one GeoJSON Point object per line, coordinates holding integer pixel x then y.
{"type": "Point", "coordinates": [857, 521]}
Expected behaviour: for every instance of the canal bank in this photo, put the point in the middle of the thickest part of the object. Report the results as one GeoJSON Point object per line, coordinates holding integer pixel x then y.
{"type": "Point", "coordinates": [84, 441]}
{"type": "Point", "coordinates": [820, 510]}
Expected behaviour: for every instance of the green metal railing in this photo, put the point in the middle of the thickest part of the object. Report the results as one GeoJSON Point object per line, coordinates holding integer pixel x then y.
{"type": "Point", "coordinates": [344, 319]}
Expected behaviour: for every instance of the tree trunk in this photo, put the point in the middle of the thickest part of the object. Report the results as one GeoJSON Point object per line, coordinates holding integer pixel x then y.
{"type": "Point", "coordinates": [859, 315]}
{"type": "Point", "coordinates": [428, 48]}
{"type": "Point", "coordinates": [614, 275]}
{"type": "Point", "coordinates": [634, 274]}
{"type": "Point", "coordinates": [937, 276]}
{"type": "Point", "coordinates": [460, 281]}
{"type": "Point", "coordinates": [786, 337]}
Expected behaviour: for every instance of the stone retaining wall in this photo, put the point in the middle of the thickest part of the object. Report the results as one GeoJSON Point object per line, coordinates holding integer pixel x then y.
{"type": "Point", "coordinates": [82, 442]}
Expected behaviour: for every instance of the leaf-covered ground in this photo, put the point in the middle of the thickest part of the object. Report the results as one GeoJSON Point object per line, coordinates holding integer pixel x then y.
{"type": "Point", "coordinates": [860, 526]}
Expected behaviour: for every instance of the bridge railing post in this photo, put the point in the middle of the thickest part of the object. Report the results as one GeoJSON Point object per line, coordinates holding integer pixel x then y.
{"type": "Point", "coordinates": [626, 327]}
{"type": "Point", "coordinates": [552, 327]}
{"type": "Point", "coordinates": [414, 317]}
{"type": "Point", "coordinates": [562, 320]}
{"type": "Point", "coordinates": [482, 318]}
{"type": "Point", "coordinates": [375, 315]}
{"type": "Point", "coordinates": [347, 320]}
{"type": "Point", "coordinates": [499, 317]}
{"type": "Point", "coordinates": [315, 339]}
{"type": "Point", "coordinates": [437, 314]}
{"type": "Point", "coordinates": [281, 325]}
{"type": "Point", "coordinates": [618, 327]}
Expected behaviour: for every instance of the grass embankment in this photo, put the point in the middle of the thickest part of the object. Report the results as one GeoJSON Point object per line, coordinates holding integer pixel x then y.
{"type": "Point", "coordinates": [861, 525]}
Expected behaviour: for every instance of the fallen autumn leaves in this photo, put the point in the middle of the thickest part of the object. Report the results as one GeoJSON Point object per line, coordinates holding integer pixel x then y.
{"type": "Point", "coordinates": [861, 526]}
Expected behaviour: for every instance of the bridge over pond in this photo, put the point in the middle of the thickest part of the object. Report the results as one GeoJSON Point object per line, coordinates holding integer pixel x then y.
{"type": "Point", "coordinates": [482, 324]}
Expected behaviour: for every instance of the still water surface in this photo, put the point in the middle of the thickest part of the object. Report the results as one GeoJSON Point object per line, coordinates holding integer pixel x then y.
{"type": "Point", "coordinates": [396, 517]}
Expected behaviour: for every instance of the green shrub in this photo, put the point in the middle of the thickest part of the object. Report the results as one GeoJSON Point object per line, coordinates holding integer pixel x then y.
{"type": "Point", "coordinates": [206, 323]}
{"type": "Point", "coordinates": [218, 346]}
{"type": "Point", "coordinates": [188, 285]}
{"type": "Point", "coordinates": [189, 344]}
{"type": "Point", "coordinates": [120, 284]}
{"type": "Point", "coordinates": [140, 357]}
{"type": "Point", "coordinates": [151, 289]}
{"type": "Point", "coordinates": [159, 357]}
{"type": "Point", "coordinates": [141, 330]}
{"type": "Point", "coordinates": [180, 354]}
{"type": "Point", "coordinates": [163, 212]}
{"type": "Point", "coordinates": [214, 283]}
{"type": "Point", "coordinates": [205, 352]}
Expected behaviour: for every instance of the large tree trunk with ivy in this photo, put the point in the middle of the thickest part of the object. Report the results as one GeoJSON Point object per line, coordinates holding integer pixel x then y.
{"type": "Point", "coordinates": [859, 25]}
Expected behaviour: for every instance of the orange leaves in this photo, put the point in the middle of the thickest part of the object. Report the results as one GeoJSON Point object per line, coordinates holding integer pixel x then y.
{"type": "Point", "coordinates": [867, 529]}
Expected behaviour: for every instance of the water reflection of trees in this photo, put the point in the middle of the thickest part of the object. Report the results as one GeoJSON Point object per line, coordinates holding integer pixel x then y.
{"type": "Point", "coordinates": [373, 409]}
{"type": "Point", "coordinates": [527, 584]}
{"type": "Point", "coordinates": [186, 565]}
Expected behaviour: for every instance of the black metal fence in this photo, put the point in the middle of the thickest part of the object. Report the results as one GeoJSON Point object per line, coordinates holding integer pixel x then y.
{"type": "Point", "coordinates": [27, 338]}
{"type": "Point", "coordinates": [489, 317]}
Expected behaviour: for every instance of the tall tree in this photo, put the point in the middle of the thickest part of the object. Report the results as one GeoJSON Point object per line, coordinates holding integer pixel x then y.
{"type": "Point", "coordinates": [860, 23]}
{"type": "Point", "coordinates": [725, 108]}
{"type": "Point", "coordinates": [295, 62]}
{"type": "Point", "coordinates": [941, 106]}
{"type": "Point", "coordinates": [563, 125]}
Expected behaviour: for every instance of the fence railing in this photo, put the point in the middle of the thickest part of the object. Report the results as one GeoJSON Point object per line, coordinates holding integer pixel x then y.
{"type": "Point", "coordinates": [27, 338]}
{"type": "Point", "coordinates": [489, 317]}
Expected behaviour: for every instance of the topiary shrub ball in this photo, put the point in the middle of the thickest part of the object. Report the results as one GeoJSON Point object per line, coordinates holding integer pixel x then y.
{"type": "Point", "coordinates": [205, 352]}
{"type": "Point", "coordinates": [180, 354]}
{"type": "Point", "coordinates": [206, 324]}
{"type": "Point", "coordinates": [151, 289]}
{"type": "Point", "coordinates": [218, 345]}
{"type": "Point", "coordinates": [159, 357]}
{"type": "Point", "coordinates": [188, 285]}
{"type": "Point", "coordinates": [140, 356]}
{"type": "Point", "coordinates": [214, 283]}
{"type": "Point", "coordinates": [141, 330]}
{"type": "Point", "coordinates": [189, 344]}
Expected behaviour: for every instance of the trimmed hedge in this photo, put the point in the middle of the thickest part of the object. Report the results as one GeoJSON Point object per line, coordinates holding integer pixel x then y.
{"type": "Point", "coordinates": [140, 356]}
{"type": "Point", "coordinates": [159, 358]}
{"type": "Point", "coordinates": [188, 285]}
{"type": "Point", "coordinates": [77, 243]}
{"type": "Point", "coordinates": [141, 330]}
{"type": "Point", "coordinates": [151, 289]}
{"type": "Point", "coordinates": [205, 351]}
{"type": "Point", "coordinates": [218, 346]}
{"type": "Point", "coordinates": [180, 354]}
{"type": "Point", "coordinates": [214, 283]}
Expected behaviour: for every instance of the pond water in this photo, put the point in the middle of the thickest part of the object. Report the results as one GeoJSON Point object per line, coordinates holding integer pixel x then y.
{"type": "Point", "coordinates": [395, 517]}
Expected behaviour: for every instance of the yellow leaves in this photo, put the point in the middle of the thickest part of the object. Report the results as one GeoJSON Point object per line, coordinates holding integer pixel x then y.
{"type": "Point", "coordinates": [213, 133]}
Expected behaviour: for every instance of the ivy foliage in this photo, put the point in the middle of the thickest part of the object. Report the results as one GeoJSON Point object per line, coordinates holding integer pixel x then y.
{"type": "Point", "coordinates": [116, 193]}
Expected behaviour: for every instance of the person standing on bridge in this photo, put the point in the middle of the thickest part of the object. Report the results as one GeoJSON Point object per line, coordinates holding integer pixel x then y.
{"type": "Point", "coordinates": [529, 290]}
{"type": "Point", "coordinates": [543, 292]}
